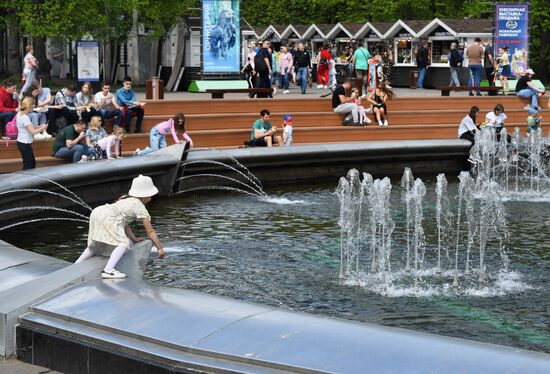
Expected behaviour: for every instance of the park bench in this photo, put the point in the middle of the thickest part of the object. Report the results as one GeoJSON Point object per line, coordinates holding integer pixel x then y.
{"type": "Point", "coordinates": [446, 90]}
{"type": "Point", "coordinates": [219, 92]}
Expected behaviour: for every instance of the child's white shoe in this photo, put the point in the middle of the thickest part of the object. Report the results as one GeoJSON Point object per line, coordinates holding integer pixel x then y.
{"type": "Point", "coordinates": [136, 152]}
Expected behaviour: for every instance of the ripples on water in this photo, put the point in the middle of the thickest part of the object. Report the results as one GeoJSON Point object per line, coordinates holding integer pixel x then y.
{"type": "Point", "coordinates": [285, 252]}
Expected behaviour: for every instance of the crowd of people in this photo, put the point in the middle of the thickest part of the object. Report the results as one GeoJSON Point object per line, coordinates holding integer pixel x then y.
{"type": "Point", "coordinates": [75, 118]}
{"type": "Point", "coordinates": [267, 68]}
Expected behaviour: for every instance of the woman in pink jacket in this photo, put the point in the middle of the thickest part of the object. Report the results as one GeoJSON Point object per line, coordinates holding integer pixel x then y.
{"type": "Point", "coordinates": [157, 136]}
{"type": "Point", "coordinates": [285, 65]}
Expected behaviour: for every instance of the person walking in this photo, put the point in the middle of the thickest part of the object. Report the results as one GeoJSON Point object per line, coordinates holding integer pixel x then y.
{"type": "Point", "coordinates": [26, 132]}
{"type": "Point", "coordinates": [285, 67]}
{"type": "Point", "coordinates": [302, 64]}
{"type": "Point", "coordinates": [489, 62]}
{"type": "Point", "coordinates": [29, 70]}
{"type": "Point", "coordinates": [322, 67]}
{"type": "Point", "coordinates": [474, 55]}
{"type": "Point", "coordinates": [361, 64]}
{"type": "Point", "coordinates": [109, 231]}
{"type": "Point", "coordinates": [455, 61]}
{"type": "Point", "coordinates": [263, 67]}
{"type": "Point", "coordinates": [422, 62]}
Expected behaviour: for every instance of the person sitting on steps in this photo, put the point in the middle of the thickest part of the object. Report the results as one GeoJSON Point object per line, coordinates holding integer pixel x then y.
{"type": "Point", "coordinates": [342, 104]}
{"type": "Point", "coordinates": [263, 133]}
{"type": "Point", "coordinates": [126, 98]}
{"type": "Point", "coordinates": [378, 100]}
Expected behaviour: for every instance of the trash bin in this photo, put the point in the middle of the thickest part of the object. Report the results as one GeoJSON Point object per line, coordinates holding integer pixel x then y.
{"type": "Point", "coordinates": [154, 89]}
{"type": "Point", "coordinates": [413, 78]}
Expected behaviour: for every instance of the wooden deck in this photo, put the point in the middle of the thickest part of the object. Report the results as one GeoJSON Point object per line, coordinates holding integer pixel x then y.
{"type": "Point", "coordinates": [228, 122]}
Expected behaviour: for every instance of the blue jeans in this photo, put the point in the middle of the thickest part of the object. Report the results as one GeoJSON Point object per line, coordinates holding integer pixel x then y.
{"type": "Point", "coordinates": [105, 114]}
{"type": "Point", "coordinates": [74, 153]}
{"type": "Point", "coordinates": [156, 140]}
{"type": "Point", "coordinates": [530, 93]}
{"type": "Point", "coordinates": [421, 76]}
{"type": "Point", "coordinates": [475, 77]}
{"type": "Point", "coordinates": [302, 76]}
{"type": "Point", "coordinates": [283, 81]}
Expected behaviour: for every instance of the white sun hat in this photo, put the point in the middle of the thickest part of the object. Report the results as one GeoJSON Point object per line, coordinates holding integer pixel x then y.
{"type": "Point", "coordinates": [143, 186]}
{"type": "Point", "coordinates": [529, 71]}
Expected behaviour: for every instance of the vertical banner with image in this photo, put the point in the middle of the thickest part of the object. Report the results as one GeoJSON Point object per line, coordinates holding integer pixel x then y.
{"type": "Point", "coordinates": [512, 23]}
{"type": "Point", "coordinates": [221, 34]}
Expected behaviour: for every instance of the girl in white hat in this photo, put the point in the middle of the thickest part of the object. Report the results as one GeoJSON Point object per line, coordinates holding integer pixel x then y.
{"type": "Point", "coordinates": [109, 226]}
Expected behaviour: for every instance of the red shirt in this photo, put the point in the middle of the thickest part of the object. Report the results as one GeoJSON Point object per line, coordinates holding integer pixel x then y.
{"type": "Point", "coordinates": [326, 54]}
{"type": "Point", "coordinates": [7, 102]}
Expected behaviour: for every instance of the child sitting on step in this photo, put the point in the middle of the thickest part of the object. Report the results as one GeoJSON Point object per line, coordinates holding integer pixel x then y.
{"type": "Point", "coordinates": [363, 119]}
{"type": "Point", "coordinates": [157, 136]}
{"type": "Point", "coordinates": [533, 120]}
{"type": "Point", "coordinates": [104, 146]}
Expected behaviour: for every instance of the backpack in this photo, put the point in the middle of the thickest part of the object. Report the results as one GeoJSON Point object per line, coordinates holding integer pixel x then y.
{"type": "Point", "coordinates": [11, 129]}
{"type": "Point", "coordinates": [259, 63]}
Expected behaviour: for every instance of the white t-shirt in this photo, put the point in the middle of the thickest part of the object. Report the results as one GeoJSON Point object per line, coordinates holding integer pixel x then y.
{"type": "Point", "coordinates": [23, 134]}
{"type": "Point", "coordinates": [288, 132]}
{"type": "Point", "coordinates": [491, 119]}
{"type": "Point", "coordinates": [466, 125]}
{"type": "Point", "coordinates": [27, 63]}
{"type": "Point", "coordinates": [108, 100]}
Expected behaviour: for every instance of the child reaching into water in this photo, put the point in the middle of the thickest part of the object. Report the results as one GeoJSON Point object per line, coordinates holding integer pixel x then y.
{"type": "Point", "coordinates": [105, 145]}
{"type": "Point", "coordinates": [157, 136]}
{"type": "Point", "coordinates": [109, 231]}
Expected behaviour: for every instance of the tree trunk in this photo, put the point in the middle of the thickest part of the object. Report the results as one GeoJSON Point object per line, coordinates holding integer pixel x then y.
{"type": "Point", "coordinates": [14, 55]}
{"type": "Point", "coordinates": [154, 61]}
{"type": "Point", "coordinates": [180, 58]}
{"type": "Point", "coordinates": [3, 35]}
{"type": "Point", "coordinates": [44, 65]}
{"type": "Point", "coordinates": [107, 67]}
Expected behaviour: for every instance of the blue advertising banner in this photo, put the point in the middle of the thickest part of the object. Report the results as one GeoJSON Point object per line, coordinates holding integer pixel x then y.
{"type": "Point", "coordinates": [512, 22]}
{"type": "Point", "coordinates": [221, 47]}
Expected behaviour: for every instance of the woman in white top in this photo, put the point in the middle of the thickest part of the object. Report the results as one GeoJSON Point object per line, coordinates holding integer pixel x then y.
{"type": "Point", "coordinates": [468, 127]}
{"type": "Point", "coordinates": [496, 119]}
{"type": "Point", "coordinates": [110, 231]}
{"type": "Point", "coordinates": [85, 103]}
{"type": "Point", "coordinates": [26, 132]}
{"type": "Point", "coordinates": [29, 69]}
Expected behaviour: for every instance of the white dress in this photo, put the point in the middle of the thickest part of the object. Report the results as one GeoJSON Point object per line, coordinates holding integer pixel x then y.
{"type": "Point", "coordinates": [107, 222]}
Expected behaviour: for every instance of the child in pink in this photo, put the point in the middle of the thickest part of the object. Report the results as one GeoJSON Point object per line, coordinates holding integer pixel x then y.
{"type": "Point", "coordinates": [360, 108]}
{"type": "Point", "coordinates": [157, 137]}
{"type": "Point", "coordinates": [105, 146]}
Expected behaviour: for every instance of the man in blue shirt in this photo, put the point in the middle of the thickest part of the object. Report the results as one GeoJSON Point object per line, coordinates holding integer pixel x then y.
{"type": "Point", "coordinates": [126, 98]}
